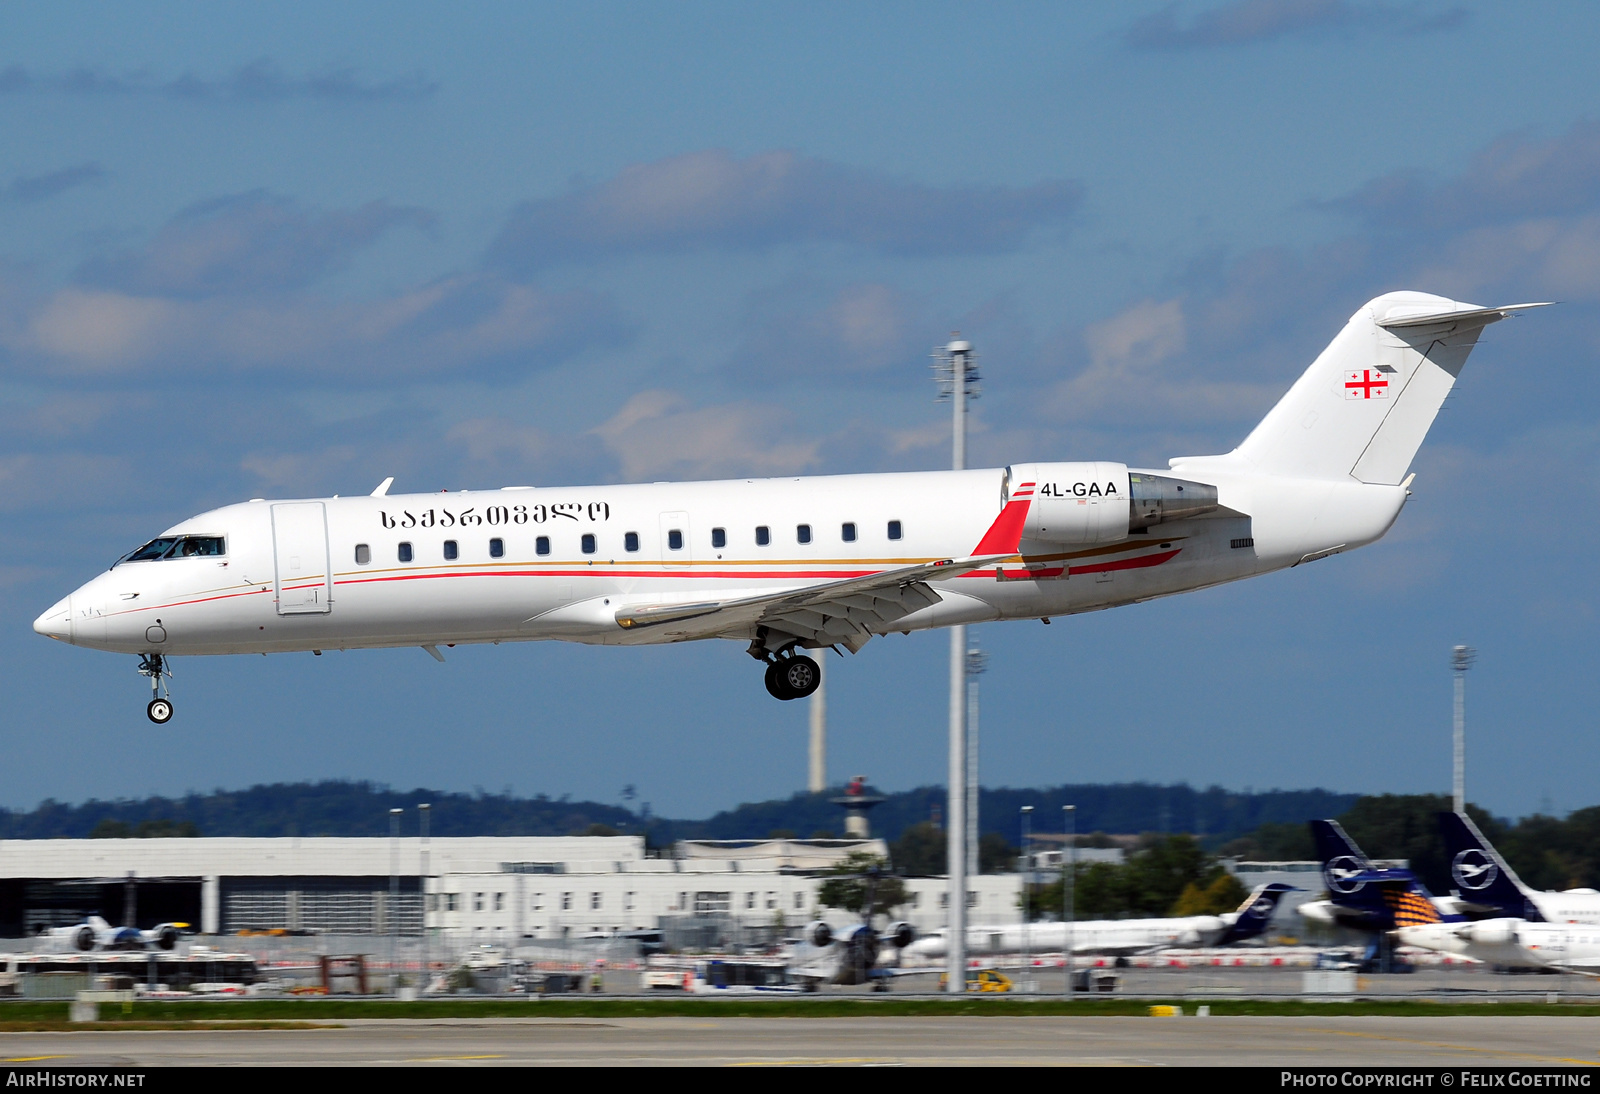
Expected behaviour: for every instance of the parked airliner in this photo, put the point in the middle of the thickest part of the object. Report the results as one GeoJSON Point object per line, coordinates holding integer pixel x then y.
{"type": "Point", "coordinates": [94, 933]}
{"type": "Point", "coordinates": [1117, 936]}
{"type": "Point", "coordinates": [791, 565]}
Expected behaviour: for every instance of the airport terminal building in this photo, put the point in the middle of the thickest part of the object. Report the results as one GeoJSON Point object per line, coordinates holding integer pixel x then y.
{"type": "Point", "coordinates": [472, 890]}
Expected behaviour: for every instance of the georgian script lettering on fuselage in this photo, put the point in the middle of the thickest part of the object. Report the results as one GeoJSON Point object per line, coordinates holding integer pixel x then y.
{"type": "Point", "coordinates": [495, 516]}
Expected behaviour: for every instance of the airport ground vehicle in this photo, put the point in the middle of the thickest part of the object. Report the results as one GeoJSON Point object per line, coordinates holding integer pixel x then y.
{"type": "Point", "coordinates": [787, 566]}
{"type": "Point", "coordinates": [981, 980]}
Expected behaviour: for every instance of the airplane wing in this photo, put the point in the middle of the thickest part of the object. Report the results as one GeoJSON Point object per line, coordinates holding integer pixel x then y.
{"type": "Point", "coordinates": [846, 612]}
{"type": "Point", "coordinates": [1585, 968]}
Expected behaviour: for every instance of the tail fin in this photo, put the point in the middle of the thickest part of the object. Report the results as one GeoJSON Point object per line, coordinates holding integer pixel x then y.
{"type": "Point", "coordinates": [1256, 911]}
{"type": "Point", "coordinates": [1338, 852]}
{"type": "Point", "coordinates": [1366, 896]}
{"type": "Point", "coordinates": [1482, 877]}
{"type": "Point", "coordinates": [1363, 407]}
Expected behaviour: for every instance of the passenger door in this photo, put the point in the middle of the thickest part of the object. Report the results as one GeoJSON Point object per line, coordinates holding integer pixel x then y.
{"type": "Point", "coordinates": [302, 578]}
{"type": "Point", "coordinates": [684, 552]}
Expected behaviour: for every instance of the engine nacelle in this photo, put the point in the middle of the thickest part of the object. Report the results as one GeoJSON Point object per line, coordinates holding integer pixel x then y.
{"type": "Point", "coordinates": [819, 934]}
{"type": "Point", "coordinates": [1159, 499]}
{"type": "Point", "coordinates": [1073, 503]}
{"type": "Point", "coordinates": [165, 936]}
{"type": "Point", "coordinates": [83, 938]}
{"type": "Point", "coordinates": [1493, 932]}
{"type": "Point", "coordinates": [1081, 504]}
{"type": "Point", "coordinates": [900, 935]}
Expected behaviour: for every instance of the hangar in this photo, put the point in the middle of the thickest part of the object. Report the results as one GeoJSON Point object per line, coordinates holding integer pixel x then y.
{"type": "Point", "coordinates": [470, 889]}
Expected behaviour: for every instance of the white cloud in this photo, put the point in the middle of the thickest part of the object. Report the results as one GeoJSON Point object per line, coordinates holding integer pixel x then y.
{"type": "Point", "coordinates": [712, 199]}
{"type": "Point", "coordinates": [462, 324]}
{"type": "Point", "coordinates": [656, 435]}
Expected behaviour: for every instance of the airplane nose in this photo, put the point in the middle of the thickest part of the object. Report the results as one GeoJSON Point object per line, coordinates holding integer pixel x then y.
{"type": "Point", "coordinates": [57, 622]}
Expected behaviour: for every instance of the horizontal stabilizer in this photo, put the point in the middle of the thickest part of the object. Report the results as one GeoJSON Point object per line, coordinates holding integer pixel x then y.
{"type": "Point", "coordinates": [1469, 317]}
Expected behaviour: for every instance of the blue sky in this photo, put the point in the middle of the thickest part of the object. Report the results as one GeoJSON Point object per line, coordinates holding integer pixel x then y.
{"type": "Point", "coordinates": [286, 250]}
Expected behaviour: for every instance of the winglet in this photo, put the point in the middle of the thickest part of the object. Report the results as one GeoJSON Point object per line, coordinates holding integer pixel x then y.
{"type": "Point", "coordinates": [383, 488]}
{"type": "Point", "coordinates": [1004, 536]}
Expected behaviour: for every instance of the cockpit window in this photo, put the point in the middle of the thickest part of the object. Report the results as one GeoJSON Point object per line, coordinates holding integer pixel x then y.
{"type": "Point", "coordinates": [154, 549]}
{"type": "Point", "coordinates": [196, 546]}
{"type": "Point", "coordinates": [176, 547]}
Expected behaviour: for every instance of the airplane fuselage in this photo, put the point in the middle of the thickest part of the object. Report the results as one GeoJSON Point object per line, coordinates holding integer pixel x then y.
{"type": "Point", "coordinates": [561, 562]}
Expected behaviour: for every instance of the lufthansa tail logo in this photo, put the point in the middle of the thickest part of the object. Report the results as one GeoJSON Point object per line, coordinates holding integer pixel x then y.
{"type": "Point", "coordinates": [1473, 870]}
{"type": "Point", "coordinates": [1341, 874]}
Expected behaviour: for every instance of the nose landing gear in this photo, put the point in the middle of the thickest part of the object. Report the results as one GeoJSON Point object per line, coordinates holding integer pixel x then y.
{"type": "Point", "coordinates": [159, 709]}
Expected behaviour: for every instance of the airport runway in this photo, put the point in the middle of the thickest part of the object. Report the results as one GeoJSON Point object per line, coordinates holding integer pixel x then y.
{"type": "Point", "coordinates": [1276, 1042]}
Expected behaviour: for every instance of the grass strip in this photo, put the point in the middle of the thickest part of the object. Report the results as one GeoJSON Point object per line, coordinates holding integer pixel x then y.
{"type": "Point", "coordinates": [304, 1010]}
{"type": "Point", "coordinates": [61, 1025]}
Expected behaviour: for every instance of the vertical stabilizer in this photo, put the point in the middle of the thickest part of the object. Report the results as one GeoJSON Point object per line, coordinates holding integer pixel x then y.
{"type": "Point", "coordinates": [1482, 877]}
{"type": "Point", "coordinates": [1364, 406]}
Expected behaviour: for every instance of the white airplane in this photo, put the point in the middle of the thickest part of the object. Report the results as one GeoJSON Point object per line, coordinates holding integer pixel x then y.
{"type": "Point", "coordinates": [1519, 943]}
{"type": "Point", "coordinates": [1116, 936]}
{"type": "Point", "coordinates": [789, 565]}
{"type": "Point", "coordinates": [94, 933]}
{"type": "Point", "coordinates": [850, 956]}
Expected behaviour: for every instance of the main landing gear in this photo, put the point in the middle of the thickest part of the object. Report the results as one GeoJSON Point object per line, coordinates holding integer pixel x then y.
{"type": "Point", "coordinates": [159, 709]}
{"type": "Point", "coordinates": [793, 676]}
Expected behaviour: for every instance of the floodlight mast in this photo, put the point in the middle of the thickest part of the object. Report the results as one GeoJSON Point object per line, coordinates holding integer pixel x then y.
{"type": "Point", "coordinates": [955, 369]}
{"type": "Point", "coordinates": [1461, 659]}
{"type": "Point", "coordinates": [977, 662]}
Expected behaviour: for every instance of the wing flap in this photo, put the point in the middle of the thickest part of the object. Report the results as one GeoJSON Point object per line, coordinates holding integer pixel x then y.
{"type": "Point", "coordinates": [845, 611]}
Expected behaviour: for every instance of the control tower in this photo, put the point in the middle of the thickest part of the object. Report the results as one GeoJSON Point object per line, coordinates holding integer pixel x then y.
{"type": "Point", "coordinates": [857, 803]}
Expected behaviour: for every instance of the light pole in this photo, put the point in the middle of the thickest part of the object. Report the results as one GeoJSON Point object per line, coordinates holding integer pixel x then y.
{"type": "Point", "coordinates": [956, 369]}
{"type": "Point", "coordinates": [1069, 862]}
{"type": "Point", "coordinates": [393, 925]}
{"type": "Point", "coordinates": [1461, 659]}
{"type": "Point", "coordinates": [817, 775]}
{"type": "Point", "coordinates": [1027, 893]}
{"type": "Point", "coordinates": [422, 887]}
{"type": "Point", "coordinates": [977, 662]}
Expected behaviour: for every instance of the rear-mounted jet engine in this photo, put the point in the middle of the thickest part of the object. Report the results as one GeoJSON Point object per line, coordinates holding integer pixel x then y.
{"type": "Point", "coordinates": [1081, 504]}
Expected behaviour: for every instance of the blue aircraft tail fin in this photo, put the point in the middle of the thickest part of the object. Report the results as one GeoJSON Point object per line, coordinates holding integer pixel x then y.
{"type": "Point", "coordinates": [1369, 897]}
{"type": "Point", "coordinates": [1253, 915]}
{"type": "Point", "coordinates": [1481, 876]}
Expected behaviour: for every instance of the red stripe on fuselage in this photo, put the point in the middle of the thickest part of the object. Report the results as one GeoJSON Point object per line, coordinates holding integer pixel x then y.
{"type": "Point", "coordinates": [1121, 564]}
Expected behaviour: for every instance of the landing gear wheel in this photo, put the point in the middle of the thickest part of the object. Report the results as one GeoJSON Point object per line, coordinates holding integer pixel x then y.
{"type": "Point", "coordinates": [776, 687]}
{"type": "Point", "coordinates": [801, 676]}
{"type": "Point", "coordinates": [159, 711]}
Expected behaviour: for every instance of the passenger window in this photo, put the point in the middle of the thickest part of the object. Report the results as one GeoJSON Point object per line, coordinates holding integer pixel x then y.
{"type": "Point", "coordinates": [405, 552]}
{"type": "Point", "coordinates": [588, 543]}
{"type": "Point", "coordinates": [848, 531]}
{"type": "Point", "coordinates": [363, 554]}
{"type": "Point", "coordinates": [719, 537]}
{"type": "Point", "coordinates": [630, 541]}
{"type": "Point", "coordinates": [763, 536]}
{"type": "Point", "coordinates": [497, 548]}
{"type": "Point", "coordinates": [451, 551]}
{"type": "Point", "coordinates": [541, 546]}
{"type": "Point", "coordinates": [802, 532]}
{"type": "Point", "coordinates": [894, 529]}
{"type": "Point", "coordinates": [675, 540]}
